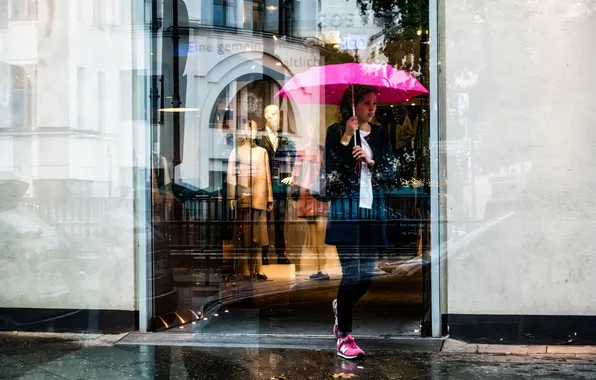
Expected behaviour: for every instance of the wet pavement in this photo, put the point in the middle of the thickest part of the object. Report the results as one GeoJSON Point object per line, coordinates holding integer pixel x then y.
{"type": "Point", "coordinates": [31, 358]}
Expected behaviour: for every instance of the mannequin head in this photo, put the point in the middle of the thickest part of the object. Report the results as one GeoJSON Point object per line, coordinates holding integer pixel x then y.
{"type": "Point", "coordinates": [272, 117]}
{"type": "Point", "coordinates": [247, 130]}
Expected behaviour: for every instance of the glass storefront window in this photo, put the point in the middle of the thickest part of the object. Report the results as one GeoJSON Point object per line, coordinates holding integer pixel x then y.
{"type": "Point", "coordinates": [69, 156]}
{"type": "Point", "coordinates": [237, 230]}
{"type": "Point", "coordinates": [166, 161]}
{"type": "Point", "coordinates": [193, 166]}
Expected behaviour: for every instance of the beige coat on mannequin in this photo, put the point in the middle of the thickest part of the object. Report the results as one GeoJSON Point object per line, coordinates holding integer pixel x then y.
{"type": "Point", "coordinates": [248, 169]}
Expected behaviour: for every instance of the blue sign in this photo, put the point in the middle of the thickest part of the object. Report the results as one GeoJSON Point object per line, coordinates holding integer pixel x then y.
{"type": "Point", "coordinates": [353, 42]}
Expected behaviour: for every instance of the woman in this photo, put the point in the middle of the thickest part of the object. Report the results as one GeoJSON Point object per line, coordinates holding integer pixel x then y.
{"type": "Point", "coordinates": [355, 179]}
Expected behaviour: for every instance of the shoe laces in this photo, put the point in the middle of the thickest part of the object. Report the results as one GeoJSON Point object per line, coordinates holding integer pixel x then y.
{"type": "Point", "coordinates": [350, 342]}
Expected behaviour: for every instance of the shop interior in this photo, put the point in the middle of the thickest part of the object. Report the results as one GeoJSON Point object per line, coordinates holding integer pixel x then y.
{"type": "Point", "coordinates": [247, 254]}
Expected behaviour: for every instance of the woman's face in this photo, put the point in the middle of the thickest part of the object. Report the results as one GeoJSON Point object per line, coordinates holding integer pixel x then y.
{"type": "Point", "coordinates": [365, 110]}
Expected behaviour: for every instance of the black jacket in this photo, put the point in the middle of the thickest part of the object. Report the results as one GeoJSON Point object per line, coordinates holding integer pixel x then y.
{"type": "Point", "coordinates": [281, 161]}
{"type": "Point", "coordinates": [341, 186]}
{"type": "Point", "coordinates": [340, 178]}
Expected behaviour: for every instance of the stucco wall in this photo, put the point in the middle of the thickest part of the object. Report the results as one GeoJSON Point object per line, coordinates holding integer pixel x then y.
{"type": "Point", "coordinates": [520, 146]}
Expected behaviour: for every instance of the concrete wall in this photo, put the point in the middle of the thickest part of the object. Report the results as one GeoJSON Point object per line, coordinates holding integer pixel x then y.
{"type": "Point", "coordinates": [520, 153]}
{"type": "Point", "coordinates": [66, 203]}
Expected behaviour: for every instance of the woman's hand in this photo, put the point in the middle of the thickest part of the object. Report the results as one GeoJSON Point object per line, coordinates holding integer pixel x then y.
{"type": "Point", "coordinates": [351, 128]}
{"type": "Point", "coordinates": [360, 154]}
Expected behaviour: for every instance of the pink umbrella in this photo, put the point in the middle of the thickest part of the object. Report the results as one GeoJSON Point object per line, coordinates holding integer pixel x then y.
{"type": "Point", "coordinates": [327, 84]}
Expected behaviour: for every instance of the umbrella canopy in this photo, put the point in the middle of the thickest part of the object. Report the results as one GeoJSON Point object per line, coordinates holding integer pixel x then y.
{"type": "Point", "coordinates": [327, 84]}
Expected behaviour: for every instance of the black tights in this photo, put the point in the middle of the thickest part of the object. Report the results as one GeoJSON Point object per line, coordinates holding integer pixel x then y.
{"type": "Point", "coordinates": [357, 265]}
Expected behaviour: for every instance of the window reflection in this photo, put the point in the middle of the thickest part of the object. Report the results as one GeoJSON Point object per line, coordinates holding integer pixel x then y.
{"type": "Point", "coordinates": [24, 10]}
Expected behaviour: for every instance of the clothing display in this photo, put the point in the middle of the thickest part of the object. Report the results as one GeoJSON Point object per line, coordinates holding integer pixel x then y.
{"type": "Point", "coordinates": [305, 182]}
{"type": "Point", "coordinates": [251, 228]}
{"type": "Point", "coordinates": [249, 185]}
{"type": "Point", "coordinates": [160, 179]}
{"type": "Point", "coordinates": [249, 177]}
{"type": "Point", "coordinates": [282, 155]}
{"type": "Point", "coordinates": [405, 131]}
{"type": "Point", "coordinates": [250, 233]}
{"type": "Point", "coordinates": [272, 138]}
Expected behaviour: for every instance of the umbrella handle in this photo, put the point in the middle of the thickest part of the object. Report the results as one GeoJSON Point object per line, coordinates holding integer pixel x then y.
{"type": "Point", "coordinates": [353, 106]}
{"type": "Point", "coordinates": [354, 114]}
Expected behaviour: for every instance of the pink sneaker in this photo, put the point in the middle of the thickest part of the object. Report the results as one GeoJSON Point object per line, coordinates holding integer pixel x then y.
{"type": "Point", "coordinates": [348, 349]}
{"type": "Point", "coordinates": [335, 326]}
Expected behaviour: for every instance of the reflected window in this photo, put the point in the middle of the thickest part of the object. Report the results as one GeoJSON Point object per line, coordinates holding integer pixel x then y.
{"type": "Point", "coordinates": [224, 13]}
{"type": "Point", "coordinates": [99, 13]}
{"type": "Point", "coordinates": [258, 15]}
{"type": "Point", "coordinates": [17, 107]}
{"type": "Point", "coordinates": [23, 10]}
{"type": "Point", "coordinates": [132, 90]}
{"type": "Point", "coordinates": [254, 15]}
{"type": "Point", "coordinates": [3, 14]}
{"type": "Point", "coordinates": [80, 98]}
{"type": "Point", "coordinates": [273, 16]}
{"type": "Point", "coordinates": [101, 105]}
{"type": "Point", "coordinates": [286, 17]}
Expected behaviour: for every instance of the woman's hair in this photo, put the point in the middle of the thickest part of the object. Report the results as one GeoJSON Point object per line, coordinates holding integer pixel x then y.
{"type": "Point", "coordinates": [345, 106]}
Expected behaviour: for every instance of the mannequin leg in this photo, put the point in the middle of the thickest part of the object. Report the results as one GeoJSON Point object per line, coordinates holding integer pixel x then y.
{"type": "Point", "coordinates": [319, 243]}
{"type": "Point", "coordinates": [259, 276]}
{"type": "Point", "coordinates": [317, 249]}
{"type": "Point", "coordinates": [280, 236]}
{"type": "Point", "coordinates": [312, 238]}
{"type": "Point", "coordinates": [264, 255]}
{"type": "Point", "coordinates": [240, 263]}
{"type": "Point", "coordinates": [252, 260]}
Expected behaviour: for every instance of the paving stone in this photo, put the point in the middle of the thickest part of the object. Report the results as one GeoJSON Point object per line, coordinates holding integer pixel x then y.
{"type": "Point", "coordinates": [503, 349]}
{"type": "Point", "coordinates": [583, 350]}
{"type": "Point", "coordinates": [534, 350]}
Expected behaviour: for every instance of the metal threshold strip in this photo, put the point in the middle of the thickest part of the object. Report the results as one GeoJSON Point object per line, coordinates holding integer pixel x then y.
{"type": "Point", "coordinates": [279, 341]}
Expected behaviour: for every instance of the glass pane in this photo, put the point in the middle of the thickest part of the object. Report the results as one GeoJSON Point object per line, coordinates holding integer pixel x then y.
{"type": "Point", "coordinates": [70, 154]}
{"type": "Point", "coordinates": [164, 172]}
{"type": "Point", "coordinates": [251, 239]}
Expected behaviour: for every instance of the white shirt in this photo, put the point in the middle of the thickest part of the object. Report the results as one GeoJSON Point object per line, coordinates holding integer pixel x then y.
{"type": "Point", "coordinates": [272, 138]}
{"type": "Point", "coordinates": [366, 193]}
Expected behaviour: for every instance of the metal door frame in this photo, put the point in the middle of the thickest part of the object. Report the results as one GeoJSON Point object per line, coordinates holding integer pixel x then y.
{"type": "Point", "coordinates": [437, 262]}
{"type": "Point", "coordinates": [142, 47]}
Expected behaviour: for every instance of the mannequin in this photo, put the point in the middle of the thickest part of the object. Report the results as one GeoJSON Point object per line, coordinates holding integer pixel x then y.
{"type": "Point", "coordinates": [305, 179]}
{"type": "Point", "coordinates": [161, 188]}
{"type": "Point", "coordinates": [282, 155]}
{"type": "Point", "coordinates": [250, 194]}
